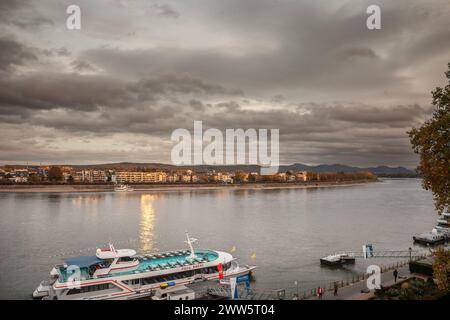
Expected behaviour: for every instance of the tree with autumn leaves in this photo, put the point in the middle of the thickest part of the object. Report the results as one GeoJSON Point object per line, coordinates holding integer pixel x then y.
{"type": "Point", "coordinates": [432, 142]}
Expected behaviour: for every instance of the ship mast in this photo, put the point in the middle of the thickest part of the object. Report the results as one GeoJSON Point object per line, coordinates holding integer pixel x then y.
{"type": "Point", "coordinates": [189, 242]}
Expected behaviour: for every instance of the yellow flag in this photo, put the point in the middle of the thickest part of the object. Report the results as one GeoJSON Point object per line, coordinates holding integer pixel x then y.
{"type": "Point", "coordinates": [233, 249]}
{"type": "Point", "coordinates": [253, 256]}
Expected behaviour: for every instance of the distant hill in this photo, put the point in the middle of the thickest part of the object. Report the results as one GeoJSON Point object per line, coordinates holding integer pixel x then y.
{"type": "Point", "coordinates": [379, 170]}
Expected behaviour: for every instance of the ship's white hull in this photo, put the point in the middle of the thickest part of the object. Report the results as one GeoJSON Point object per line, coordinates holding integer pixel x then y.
{"type": "Point", "coordinates": [140, 292]}
{"type": "Point", "coordinates": [118, 274]}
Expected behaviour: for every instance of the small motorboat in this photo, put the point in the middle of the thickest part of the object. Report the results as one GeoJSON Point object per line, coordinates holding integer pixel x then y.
{"type": "Point", "coordinates": [123, 188]}
{"type": "Point", "coordinates": [432, 238]}
{"type": "Point", "coordinates": [337, 259]}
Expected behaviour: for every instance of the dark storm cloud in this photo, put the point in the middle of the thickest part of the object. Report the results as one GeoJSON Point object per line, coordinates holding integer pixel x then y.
{"type": "Point", "coordinates": [337, 91]}
{"type": "Point", "coordinates": [13, 53]}
{"type": "Point", "coordinates": [20, 94]}
{"type": "Point", "coordinates": [51, 91]}
{"type": "Point", "coordinates": [334, 52]}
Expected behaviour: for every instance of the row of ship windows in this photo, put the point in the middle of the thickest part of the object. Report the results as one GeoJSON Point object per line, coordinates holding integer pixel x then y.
{"type": "Point", "coordinates": [97, 287]}
{"type": "Point", "coordinates": [175, 276]}
{"type": "Point", "coordinates": [150, 280]}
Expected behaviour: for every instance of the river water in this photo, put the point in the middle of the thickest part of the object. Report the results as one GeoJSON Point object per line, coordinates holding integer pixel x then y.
{"type": "Point", "coordinates": [283, 231]}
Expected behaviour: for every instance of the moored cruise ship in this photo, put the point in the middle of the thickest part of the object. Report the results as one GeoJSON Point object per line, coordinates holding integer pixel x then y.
{"type": "Point", "coordinates": [121, 274]}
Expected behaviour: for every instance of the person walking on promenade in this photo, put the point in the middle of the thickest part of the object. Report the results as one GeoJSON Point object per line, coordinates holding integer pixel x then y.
{"type": "Point", "coordinates": [335, 289]}
{"type": "Point", "coordinates": [395, 275]}
{"type": "Point", "coordinates": [320, 293]}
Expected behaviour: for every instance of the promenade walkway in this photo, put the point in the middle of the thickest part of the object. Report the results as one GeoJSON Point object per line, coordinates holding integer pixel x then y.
{"type": "Point", "coordinates": [353, 291]}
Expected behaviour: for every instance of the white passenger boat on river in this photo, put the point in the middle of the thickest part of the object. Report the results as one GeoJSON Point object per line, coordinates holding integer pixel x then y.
{"type": "Point", "coordinates": [121, 274]}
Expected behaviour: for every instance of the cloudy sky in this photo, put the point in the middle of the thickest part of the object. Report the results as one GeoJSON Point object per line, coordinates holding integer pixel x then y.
{"type": "Point", "coordinates": [116, 89]}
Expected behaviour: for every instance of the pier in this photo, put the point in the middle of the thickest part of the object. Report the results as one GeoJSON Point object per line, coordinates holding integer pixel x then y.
{"type": "Point", "coordinates": [389, 254]}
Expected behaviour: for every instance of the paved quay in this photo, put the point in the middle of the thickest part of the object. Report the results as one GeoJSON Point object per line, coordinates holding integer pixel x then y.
{"type": "Point", "coordinates": [353, 291]}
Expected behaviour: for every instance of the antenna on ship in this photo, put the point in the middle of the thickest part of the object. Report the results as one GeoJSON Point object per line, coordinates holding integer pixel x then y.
{"type": "Point", "coordinates": [189, 242]}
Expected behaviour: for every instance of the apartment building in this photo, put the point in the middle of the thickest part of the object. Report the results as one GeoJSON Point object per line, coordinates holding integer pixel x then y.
{"type": "Point", "coordinates": [140, 177]}
{"type": "Point", "coordinates": [90, 176]}
{"type": "Point", "coordinates": [301, 176]}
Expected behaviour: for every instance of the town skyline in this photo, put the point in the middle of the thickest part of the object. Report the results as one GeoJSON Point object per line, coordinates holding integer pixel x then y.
{"type": "Point", "coordinates": [155, 166]}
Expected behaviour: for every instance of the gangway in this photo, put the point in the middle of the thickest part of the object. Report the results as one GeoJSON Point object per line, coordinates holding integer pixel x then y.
{"type": "Point", "coordinates": [346, 257]}
{"type": "Point", "coordinates": [389, 254]}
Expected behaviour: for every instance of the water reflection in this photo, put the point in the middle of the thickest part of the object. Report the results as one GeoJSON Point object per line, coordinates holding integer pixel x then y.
{"type": "Point", "coordinates": [147, 223]}
{"type": "Point", "coordinates": [88, 200]}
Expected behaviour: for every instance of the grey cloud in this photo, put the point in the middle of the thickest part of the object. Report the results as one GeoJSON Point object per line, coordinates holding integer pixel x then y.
{"type": "Point", "coordinates": [302, 57]}
{"type": "Point", "coordinates": [165, 10]}
{"type": "Point", "coordinates": [279, 53]}
{"type": "Point", "coordinates": [20, 13]}
{"type": "Point", "coordinates": [91, 92]}
{"type": "Point", "coordinates": [357, 52]}
{"type": "Point", "coordinates": [13, 53]}
{"type": "Point", "coordinates": [60, 91]}
{"type": "Point", "coordinates": [79, 65]}
{"type": "Point", "coordinates": [394, 115]}
{"type": "Point", "coordinates": [63, 52]}
{"type": "Point", "coordinates": [182, 84]}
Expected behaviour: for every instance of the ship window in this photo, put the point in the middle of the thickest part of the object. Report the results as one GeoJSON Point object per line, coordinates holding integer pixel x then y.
{"type": "Point", "coordinates": [125, 259]}
{"type": "Point", "coordinates": [106, 263]}
{"type": "Point", "coordinates": [73, 291]}
{"type": "Point", "coordinates": [197, 271]}
{"type": "Point", "coordinates": [98, 287]}
{"type": "Point", "coordinates": [204, 270]}
{"type": "Point", "coordinates": [212, 270]}
{"type": "Point", "coordinates": [148, 280]}
{"type": "Point", "coordinates": [186, 274]}
{"type": "Point", "coordinates": [133, 281]}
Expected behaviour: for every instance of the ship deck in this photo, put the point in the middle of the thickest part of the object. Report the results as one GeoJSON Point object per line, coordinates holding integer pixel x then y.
{"type": "Point", "coordinates": [154, 262]}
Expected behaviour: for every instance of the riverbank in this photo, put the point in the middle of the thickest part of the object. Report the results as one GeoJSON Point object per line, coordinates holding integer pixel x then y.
{"type": "Point", "coordinates": [66, 188]}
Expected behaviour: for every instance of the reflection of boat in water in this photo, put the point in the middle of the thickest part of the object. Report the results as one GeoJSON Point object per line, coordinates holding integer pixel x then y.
{"type": "Point", "coordinates": [123, 188]}
{"type": "Point", "coordinates": [337, 259]}
{"type": "Point", "coordinates": [121, 274]}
